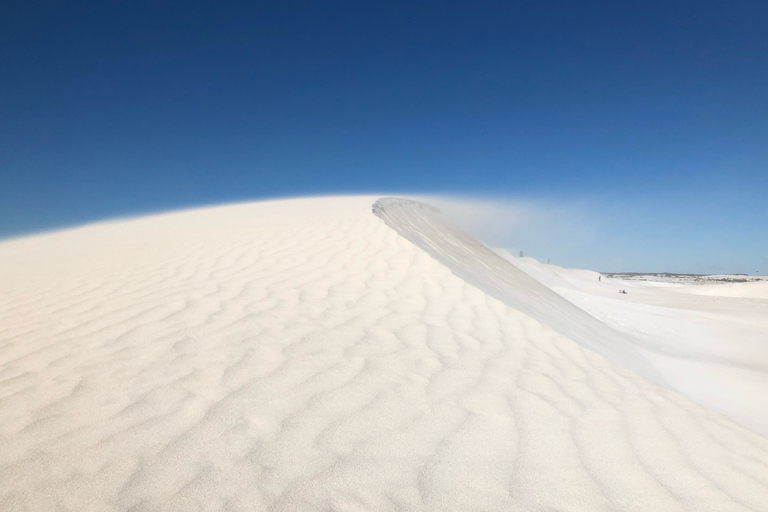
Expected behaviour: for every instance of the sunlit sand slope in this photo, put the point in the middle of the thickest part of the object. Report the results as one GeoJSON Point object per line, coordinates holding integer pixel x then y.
{"type": "Point", "coordinates": [303, 355]}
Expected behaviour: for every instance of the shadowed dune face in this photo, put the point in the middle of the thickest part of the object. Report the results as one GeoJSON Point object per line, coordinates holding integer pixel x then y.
{"type": "Point", "coordinates": [482, 267]}
{"type": "Point", "coordinates": [303, 355]}
{"type": "Point", "coordinates": [713, 351]}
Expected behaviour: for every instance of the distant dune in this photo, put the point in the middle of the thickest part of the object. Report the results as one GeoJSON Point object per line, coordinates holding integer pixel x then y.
{"type": "Point", "coordinates": [362, 353]}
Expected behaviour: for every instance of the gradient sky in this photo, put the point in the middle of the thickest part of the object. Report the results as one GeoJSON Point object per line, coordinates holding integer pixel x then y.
{"type": "Point", "coordinates": [648, 119]}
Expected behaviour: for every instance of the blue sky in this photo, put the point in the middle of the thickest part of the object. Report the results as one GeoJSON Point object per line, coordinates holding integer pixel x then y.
{"type": "Point", "coordinates": [652, 117]}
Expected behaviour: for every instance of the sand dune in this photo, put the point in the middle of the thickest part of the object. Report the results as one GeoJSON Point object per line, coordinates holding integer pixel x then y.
{"type": "Point", "coordinates": [708, 341]}
{"type": "Point", "coordinates": [305, 355]}
{"type": "Point", "coordinates": [758, 290]}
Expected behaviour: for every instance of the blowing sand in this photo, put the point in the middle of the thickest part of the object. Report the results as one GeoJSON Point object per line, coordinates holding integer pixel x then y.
{"type": "Point", "coordinates": [311, 355]}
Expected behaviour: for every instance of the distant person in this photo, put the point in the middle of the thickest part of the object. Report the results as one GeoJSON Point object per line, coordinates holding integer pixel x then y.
{"type": "Point", "coordinates": [599, 278]}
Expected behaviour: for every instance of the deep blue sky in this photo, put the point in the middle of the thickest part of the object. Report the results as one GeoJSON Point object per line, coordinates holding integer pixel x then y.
{"type": "Point", "coordinates": [657, 111]}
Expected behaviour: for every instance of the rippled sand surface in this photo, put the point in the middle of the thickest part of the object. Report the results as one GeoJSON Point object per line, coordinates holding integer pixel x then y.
{"type": "Point", "coordinates": [305, 355]}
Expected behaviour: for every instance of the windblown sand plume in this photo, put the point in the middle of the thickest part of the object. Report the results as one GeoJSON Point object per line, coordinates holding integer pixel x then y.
{"type": "Point", "coordinates": [332, 354]}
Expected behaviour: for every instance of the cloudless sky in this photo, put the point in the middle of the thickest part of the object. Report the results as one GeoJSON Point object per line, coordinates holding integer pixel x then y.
{"type": "Point", "coordinates": [655, 114]}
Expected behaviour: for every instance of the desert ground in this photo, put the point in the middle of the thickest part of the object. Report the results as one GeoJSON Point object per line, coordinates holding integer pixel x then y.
{"type": "Point", "coordinates": [363, 353]}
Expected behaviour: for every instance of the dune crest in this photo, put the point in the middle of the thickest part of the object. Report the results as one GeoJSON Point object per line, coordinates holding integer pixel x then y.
{"type": "Point", "coordinates": [487, 270]}
{"type": "Point", "coordinates": [303, 355]}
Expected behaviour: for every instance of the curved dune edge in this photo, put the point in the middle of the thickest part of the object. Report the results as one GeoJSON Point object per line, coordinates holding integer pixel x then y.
{"type": "Point", "coordinates": [302, 355]}
{"type": "Point", "coordinates": [712, 352]}
{"type": "Point", "coordinates": [482, 267]}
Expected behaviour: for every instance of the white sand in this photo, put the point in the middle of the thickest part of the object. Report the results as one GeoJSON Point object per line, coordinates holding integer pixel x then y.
{"type": "Point", "coordinates": [708, 341]}
{"type": "Point", "coordinates": [304, 355]}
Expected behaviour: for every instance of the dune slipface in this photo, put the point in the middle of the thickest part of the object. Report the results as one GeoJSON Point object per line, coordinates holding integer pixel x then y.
{"type": "Point", "coordinates": [305, 355]}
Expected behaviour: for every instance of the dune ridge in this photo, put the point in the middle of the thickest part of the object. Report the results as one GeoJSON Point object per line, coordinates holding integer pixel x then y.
{"type": "Point", "coordinates": [303, 355]}
{"type": "Point", "coordinates": [484, 268]}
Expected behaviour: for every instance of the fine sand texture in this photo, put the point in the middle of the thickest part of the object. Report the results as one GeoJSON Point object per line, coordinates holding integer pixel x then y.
{"type": "Point", "coordinates": [708, 341]}
{"type": "Point", "coordinates": [341, 353]}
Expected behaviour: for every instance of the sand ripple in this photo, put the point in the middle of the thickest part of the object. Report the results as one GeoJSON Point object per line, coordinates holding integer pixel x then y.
{"type": "Point", "coordinates": [302, 355]}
